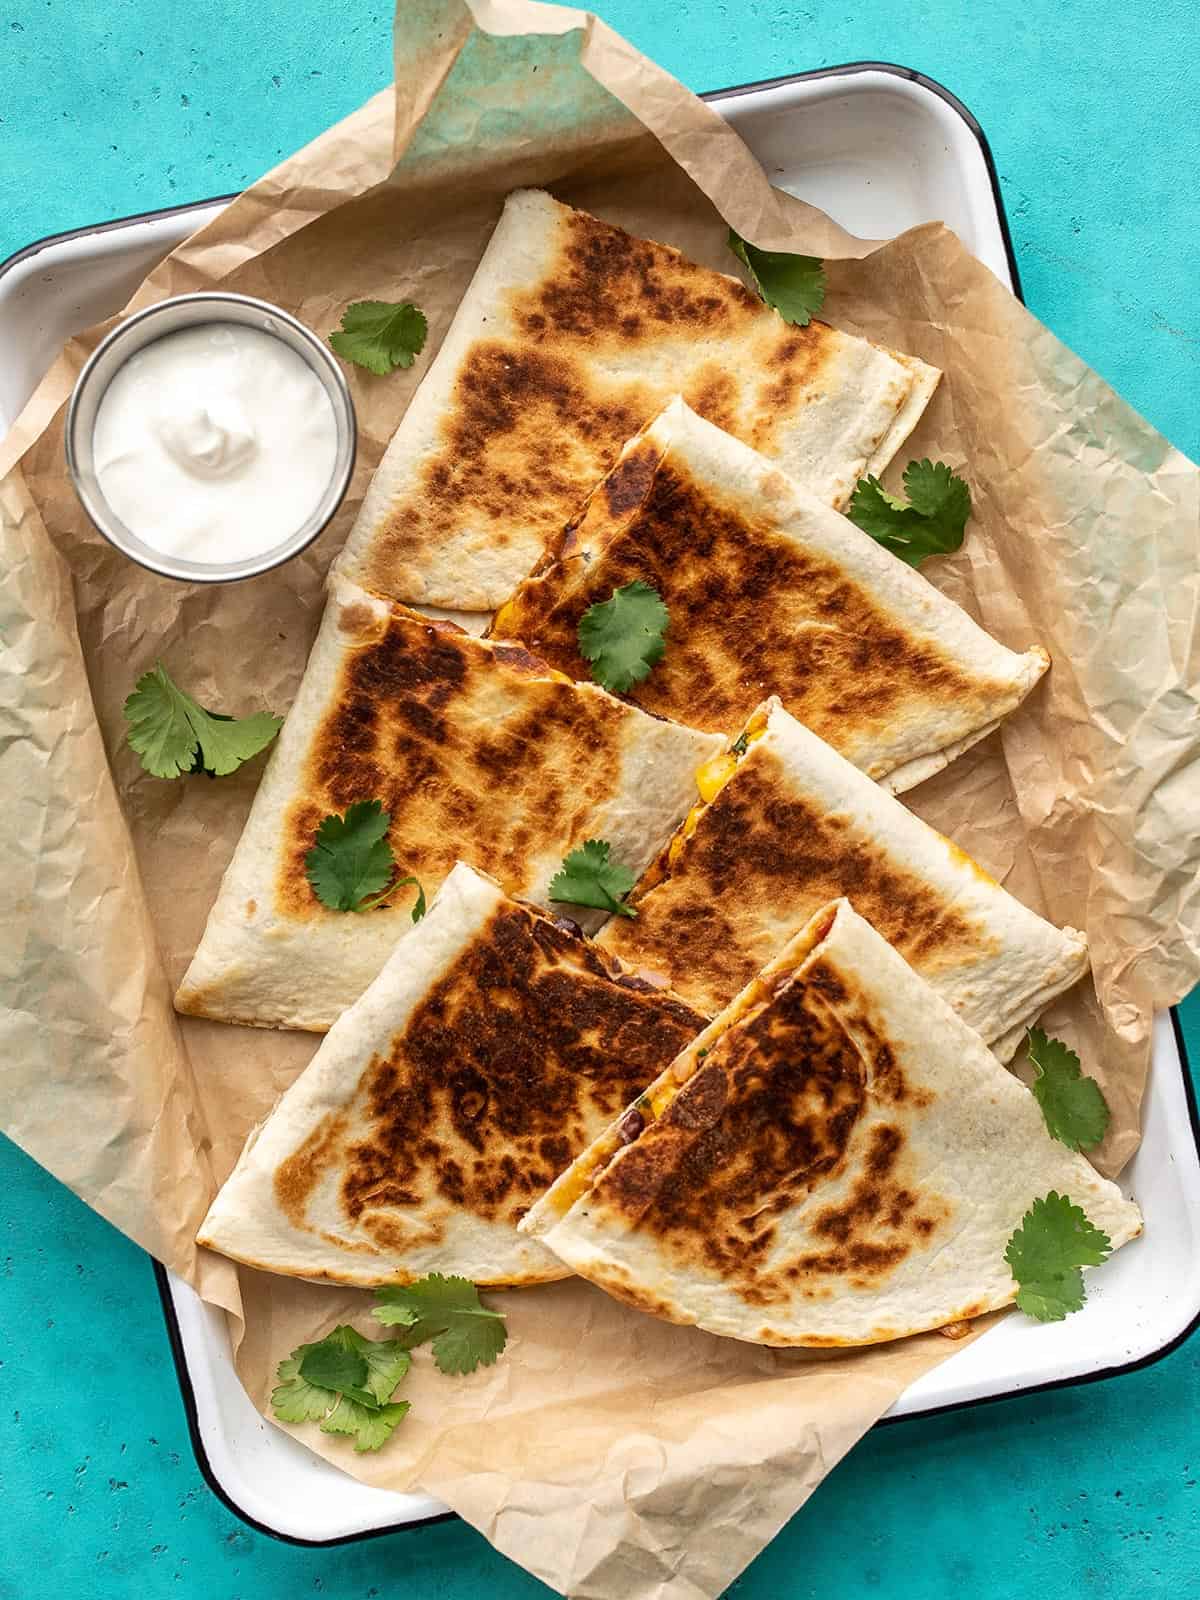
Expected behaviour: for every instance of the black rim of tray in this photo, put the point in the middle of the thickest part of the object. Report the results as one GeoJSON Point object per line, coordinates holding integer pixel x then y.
{"type": "Point", "coordinates": [187, 1392]}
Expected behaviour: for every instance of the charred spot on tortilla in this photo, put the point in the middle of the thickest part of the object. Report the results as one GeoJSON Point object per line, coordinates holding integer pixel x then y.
{"type": "Point", "coordinates": [493, 466]}
{"type": "Point", "coordinates": [606, 285]}
{"type": "Point", "coordinates": [298, 1176]}
{"type": "Point", "coordinates": [356, 618]}
{"type": "Point", "coordinates": [795, 362]}
{"type": "Point", "coordinates": [626, 485]}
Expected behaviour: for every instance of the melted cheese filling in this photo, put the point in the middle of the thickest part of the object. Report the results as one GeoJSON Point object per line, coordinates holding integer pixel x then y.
{"type": "Point", "coordinates": [711, 777]}
{"type": "Point", "coordinates": [502, 621]}
{"type": "Point", "coordinates": [962, 859]}
{"type": "Point", "coordinates": [715, 773]}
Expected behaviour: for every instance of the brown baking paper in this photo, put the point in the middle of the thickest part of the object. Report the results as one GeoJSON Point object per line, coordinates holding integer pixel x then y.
{"type": "Point", "coordinates": [608, 1453]}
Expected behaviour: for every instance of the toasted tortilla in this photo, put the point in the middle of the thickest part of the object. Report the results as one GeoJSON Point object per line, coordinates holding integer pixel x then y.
{"type": "Point", "coordinates": [491, 1048]}
{"type": "Point", "coordinates": [795, 825]}
{"type": "Point", "coordinates": [768, 589]}
{"type": "Point", "coordinates": [477, 750]}
{"type": "Point", "coordinates": [570, 336]}
{"type": "Point", "coordinates": [836, 1160]}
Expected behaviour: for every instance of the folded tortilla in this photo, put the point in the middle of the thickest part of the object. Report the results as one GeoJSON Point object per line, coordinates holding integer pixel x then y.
{"type": "Point", "coordinates": [836, 1160]}
{"type": "Point", "coordinates": [570, 336]}
{"type": "Point", "coordinates": [790, 825]}
{"type": "Point", "coordinates": [491, 1048]}
{"type": "Point", "coordinates": [477, 750]}
{"type": "Point", "coordinates": [769, 589]}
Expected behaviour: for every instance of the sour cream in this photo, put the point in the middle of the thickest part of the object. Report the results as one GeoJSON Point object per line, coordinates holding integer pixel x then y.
{"type": "Point", "coordinates": [214, 444]}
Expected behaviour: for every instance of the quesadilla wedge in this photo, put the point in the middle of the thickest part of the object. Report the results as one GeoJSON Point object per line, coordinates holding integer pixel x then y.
{"type": "Point", "coordinates": [476, 750]}
{"type": "Point", "coordinates": [766, 586]}
{"type": "Point", "coordinates": [836, 1160]}
{"type": "Point", "coordinates": [786, 824]}
{"type": "Point", "coordinates": [570, 336]}
{"type": "Point", "coordinates": [491, 1048]}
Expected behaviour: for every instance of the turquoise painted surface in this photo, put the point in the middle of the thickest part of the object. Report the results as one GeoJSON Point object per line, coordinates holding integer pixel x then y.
{"type": "Point", "coordinates": [1090, 1492]}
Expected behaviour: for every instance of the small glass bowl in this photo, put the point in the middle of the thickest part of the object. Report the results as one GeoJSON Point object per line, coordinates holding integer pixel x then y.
{"type": "Point", "coordinates": [169, 316]}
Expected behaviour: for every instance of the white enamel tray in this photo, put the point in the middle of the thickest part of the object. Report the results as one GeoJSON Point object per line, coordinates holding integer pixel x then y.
{"type": "Point", "coordinates": [880, 149]}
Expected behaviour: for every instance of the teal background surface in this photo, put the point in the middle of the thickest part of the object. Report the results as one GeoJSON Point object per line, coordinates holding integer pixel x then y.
{"type": "Point", "coordinates": [1092, 111]}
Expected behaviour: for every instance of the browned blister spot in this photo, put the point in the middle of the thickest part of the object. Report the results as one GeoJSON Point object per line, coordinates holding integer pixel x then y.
{"type": "Point", "coordinates": [794, 366]}
{"type": "Point", "coordinates": [356, 617]}
{"type": "Point", "coordinates": [474, 755]}
{"type": "Point", "coordinates": [388, 1233]}
{"type": "Point", "coordinates": [495, 469]}
{"type": "Point", "coordinates": [634, 1295]}
{"type": "Point", "coordinates": [607, 287]}
{"type": "Point", "coordinates": [872, 1198]}
{"type": "Point", "coordinates": [625, 486]}
{"type": "Point", "coordinates": [541, 408]}
{"type": "Point", "coordinates": [715, 393]}
{"type": "Point", "coordinates": [298, 1176]}
{"type": "Point", "coordinates": [872, 1228]}
{"type": "Point", "coordinates": [514, 1060]}
{"type": "Point", "coordinates": [752, 612]}
{"type": "Point", "coordinates": [520, 660]}
{"type": "Point", "coordinates": [757, 867]}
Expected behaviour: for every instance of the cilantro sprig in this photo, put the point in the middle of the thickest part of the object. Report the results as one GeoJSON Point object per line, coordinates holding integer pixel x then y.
{"type": "Point", "coordinates": [622, 637]}
{"type": "Point", "coordinates": [345, 1382]}
{"type": "Point", "coordinates": [929, 523]}
{"type": "Point", "coordinates": [380, 335]}
{"type": "Point", "coordinates": [793, 285]}
{"type": "Point", "coordinates": [351, 865]}
{"type": "Point", "coordinates": [173, 734]}
{"type": "Point", "coordinates": [589, 877]}
{"type": "Point", "coordinates": [1055, 1240]}
{"type": "Point", "coordinates": [466, 1334]}
{"type": "Point", "coordinates": [1073, 1105]}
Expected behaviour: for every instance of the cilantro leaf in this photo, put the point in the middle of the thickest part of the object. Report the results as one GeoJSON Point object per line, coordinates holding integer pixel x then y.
{"type": "Point", "coordinates": [465, 1333]}
{"type": "Point", "coordinates": [347, 1363]}
{"type": "Point", "coordinates": [1073, 1105]}
{"type": "Point", "coordinates": [198, 759]}
{"type": "Point", "coordinates": [930, 523]}
{"type": "Point", "coordinates": [793, 285]}
{"type": "Point", "coordinates": [466, 1345]}
{"type": "Point", "coordinates": [173, 734]}
{"type": "Point", "coordinates": [380, 335]}
{"type": "Point", "coordinates": [351, 861]}
{"type": "Point", "coordinates": [1046, 1252]}
{"type": "Point", "coordinates": [935, 491]}
{"type": "Point", "coordinates": [388, 1362]}
{"type": "Point", "coordinates": [370, 1427]}
{"type": "Point", "coordinates": [345, 1383]}
{"type": "Point", "coordinates": [588, 878]}
{"type": "Point", "coordinates": [295, 1399]}
{"type": "Point", "coordinates": [623, 637]}
{"type": "Point", "coordinates": [350, 867]}
{"type": "Point", "coordinates": [331, 1365]}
